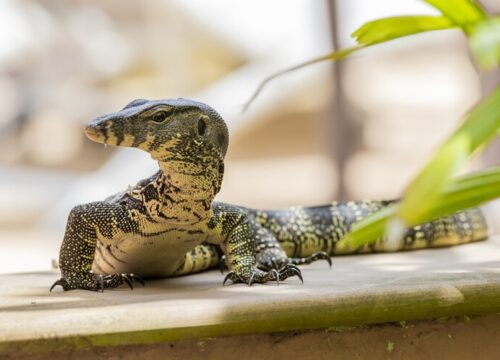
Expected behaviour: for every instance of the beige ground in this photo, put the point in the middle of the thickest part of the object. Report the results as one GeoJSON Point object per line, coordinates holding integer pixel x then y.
{"type": "Point", "coordinates": [359, 290]}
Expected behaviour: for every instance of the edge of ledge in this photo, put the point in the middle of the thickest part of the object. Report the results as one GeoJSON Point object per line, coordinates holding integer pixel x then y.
{"type": "Point", "coordinates": [322, 312]}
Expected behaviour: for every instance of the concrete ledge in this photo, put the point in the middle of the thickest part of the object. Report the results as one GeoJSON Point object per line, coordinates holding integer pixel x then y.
{"type": "Point", "coordinates": [460, 338]}
{"type": "Point", "coordinates": [359, 290]}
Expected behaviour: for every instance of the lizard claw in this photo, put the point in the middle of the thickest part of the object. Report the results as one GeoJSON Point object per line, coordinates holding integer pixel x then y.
{"type": "Point", "coordinates": [259, 276]}
{"type": "Point", "coordinates": [118, 279]}
{"type": "Point", "coordinates": [297, 272]}
{"type": "Point", "coordinates": [61, 282]}
{"type": "Point", "coordinates": [289, 271]}
{"type": "Point", "coordinates": [231, 276]}
{"type": "Point", "coordinates": [252, 278]}
{"type": "Point", "coordinates": [127, 280]}
{"type": "Point", "coordinates": [276, 276]}
{"type": "Point", "coordinates": [137, 278]}
{"type": "Point", "coordinates": [292, 266]}
{"type": "Point", "coordinates": [101, 282]}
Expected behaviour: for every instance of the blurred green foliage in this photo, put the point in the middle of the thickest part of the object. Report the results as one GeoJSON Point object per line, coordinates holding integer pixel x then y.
{"type": "Point", "coordinates": [485, 42]}
{"type": "Point", "coordinates": [434, 191]}
{"type": "Point", "coordinates": [374, 32]}
{"type": "Point", "coordinates": [464, 13]}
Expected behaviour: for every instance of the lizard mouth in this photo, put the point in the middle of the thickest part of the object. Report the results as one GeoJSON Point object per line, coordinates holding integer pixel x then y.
{"type": "Point", "coordinates": [94, 134]}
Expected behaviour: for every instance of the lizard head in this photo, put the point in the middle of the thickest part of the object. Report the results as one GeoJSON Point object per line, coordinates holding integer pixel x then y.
{"type": "Point", "coordinates": [167, 129]}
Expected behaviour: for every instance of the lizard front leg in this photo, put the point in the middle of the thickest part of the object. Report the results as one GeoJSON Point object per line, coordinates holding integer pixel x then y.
{"type": "Point", "coordinates": [77, 252]}
{"type": "Point", "coordinates": [238, 236]}
{"type": "Point", "coordinates": [270, 255]}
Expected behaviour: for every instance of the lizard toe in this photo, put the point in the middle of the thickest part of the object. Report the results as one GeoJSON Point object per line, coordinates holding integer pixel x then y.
{"type": "Point", "coordinates": [289, 271]}
{"type": "Point", "coordinates": [320, 255]}
{"type": "Point", "coordinates": [117, 279]}
{"type": "Point", "coordinates": [233, 277]}
{"type": "Point", "coordinates": [60, 282]}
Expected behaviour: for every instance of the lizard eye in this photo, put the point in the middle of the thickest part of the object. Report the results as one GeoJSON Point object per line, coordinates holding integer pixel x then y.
{"type": "Point", "coordinates": [159, 117]}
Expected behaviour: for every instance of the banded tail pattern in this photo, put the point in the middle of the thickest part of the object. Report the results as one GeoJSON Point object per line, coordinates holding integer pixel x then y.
{"type": "Point", "coordinates": [303, 231]}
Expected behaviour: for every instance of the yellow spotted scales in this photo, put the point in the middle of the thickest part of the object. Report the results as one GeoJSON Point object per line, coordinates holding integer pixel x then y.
{"type": "Point", "coordinates": [169, 225]}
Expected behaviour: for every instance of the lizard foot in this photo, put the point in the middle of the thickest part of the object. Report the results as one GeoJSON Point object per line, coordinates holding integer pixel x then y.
{"type": "Point", "coordinates": [96, 282]}
{"type": "Point", "coordinates": [259, 276]}
{"type": "Point", "coordinates": [272, 259]}
{"type": "Point", "coordinates": [310, 259]}
{"type": "Point", "coordinates": [117, 279]}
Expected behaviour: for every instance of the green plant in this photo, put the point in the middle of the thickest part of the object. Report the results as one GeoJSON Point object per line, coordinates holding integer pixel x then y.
{"type": "Point", "coordinates": [434, 191]}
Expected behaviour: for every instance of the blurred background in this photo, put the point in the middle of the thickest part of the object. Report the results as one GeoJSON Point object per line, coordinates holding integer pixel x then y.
{"type": "Point", "coordinates": [360, 129]}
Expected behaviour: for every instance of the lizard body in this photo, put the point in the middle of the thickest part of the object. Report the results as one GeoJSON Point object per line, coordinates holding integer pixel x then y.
{"type": "Point", "coordinates": [169, 225]}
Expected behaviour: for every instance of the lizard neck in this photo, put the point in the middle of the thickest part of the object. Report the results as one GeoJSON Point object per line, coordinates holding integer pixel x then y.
{"type": "Point", "coordinates": [188, 189]}
{"type": "Point", "coordinates": [180, 192]}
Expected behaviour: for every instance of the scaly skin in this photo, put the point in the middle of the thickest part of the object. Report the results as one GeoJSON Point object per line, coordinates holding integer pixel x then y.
{"type": "Point", "coordinates": [168, 224]}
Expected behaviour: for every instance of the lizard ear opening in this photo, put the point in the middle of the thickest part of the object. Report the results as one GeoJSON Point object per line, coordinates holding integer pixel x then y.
{"type": "Point", "coordinates": [202, 126]}
{"type": "Point", "coordinates": [135, 103]}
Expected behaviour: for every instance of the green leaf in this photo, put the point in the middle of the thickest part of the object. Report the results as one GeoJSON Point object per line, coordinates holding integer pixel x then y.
{"type": "Point", "coordinates": [377, 31]}
{"type": "Point", "coordinates": [468, 191]}
{"type": "Point", "coordinates": [477, 129]}
{"type": "Point", "coordinates": [461, 193]}
{"type": "Point", "coordinates": [432, 194]}
{"type": "Point", "coordinates": [464, 13]}
{"type": "Point", "coordinates": [425, 188]}
{"type": "Point", "coordinates": [368, 230]}
{"type": "Point", "coordinates": [484, 42]}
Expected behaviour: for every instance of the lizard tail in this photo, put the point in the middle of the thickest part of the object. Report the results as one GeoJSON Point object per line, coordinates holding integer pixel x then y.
{"type": "Point", "coordinates": [303, 231]}
{"type": "Point", "coordinates": [459, 228]}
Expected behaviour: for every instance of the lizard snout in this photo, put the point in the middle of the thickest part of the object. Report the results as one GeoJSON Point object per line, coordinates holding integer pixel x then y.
{"type": "Point", "coordinates": [90, 130]}
{"type": "Point", "coordinates": [102, 130]}
{"type": "Point", "coordinates": [93, 133]}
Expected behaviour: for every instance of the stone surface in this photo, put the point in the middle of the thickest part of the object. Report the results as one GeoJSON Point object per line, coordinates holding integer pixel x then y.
{"type": "Point", "coordinates": [358, 290]}
{"type": "Point", "coordinates": [460, 338]}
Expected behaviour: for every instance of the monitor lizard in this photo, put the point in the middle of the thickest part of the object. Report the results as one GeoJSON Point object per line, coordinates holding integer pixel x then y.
{"type": "Point", "coordinates": [168, 224]}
